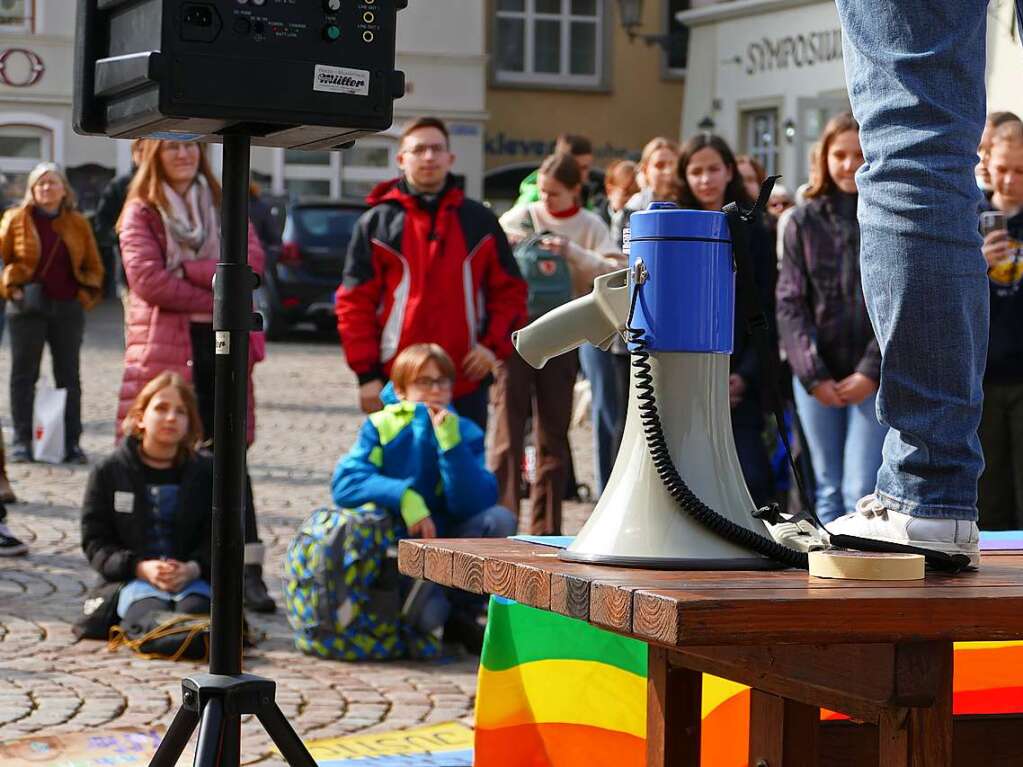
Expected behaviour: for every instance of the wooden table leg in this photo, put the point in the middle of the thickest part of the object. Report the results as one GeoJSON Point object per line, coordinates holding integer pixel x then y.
{"type": "Point", "coordinates": [782, 733]}
{"type": "Point", "coordinates": [674, 701]}
{"type": "Point", "coordinates": [921, 737]}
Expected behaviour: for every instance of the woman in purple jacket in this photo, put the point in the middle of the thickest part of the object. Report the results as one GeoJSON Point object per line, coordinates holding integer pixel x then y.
{"type": "Point", "coordinates": [825, 331]}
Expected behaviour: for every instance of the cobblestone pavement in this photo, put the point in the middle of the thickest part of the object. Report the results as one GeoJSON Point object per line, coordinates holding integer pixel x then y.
{"type": "Point", "coordinates": [306, 416]}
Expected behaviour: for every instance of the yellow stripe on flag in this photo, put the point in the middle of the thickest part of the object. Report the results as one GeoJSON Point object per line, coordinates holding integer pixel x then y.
{"type": "Point", "coordinates": [562, 692]}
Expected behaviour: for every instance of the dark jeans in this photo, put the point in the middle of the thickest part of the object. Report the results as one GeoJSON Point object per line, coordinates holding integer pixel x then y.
{"type": "Point", "coordinates": [203, 374]}
{"type": "Point", "coordinates": [495, 522]}
{"type": "Point", "coordinates": [1000, 493]}
{"type": "Point", "coordinates": [608, 375]}
{"type": "Point", "coordinates": [756, 466]}
{"type": "Point", "coordinates": [475, 404]}
{"type": "Point", "coordinates": [193, 604]}
{"type": "Point", "coordinates": [62, 330]}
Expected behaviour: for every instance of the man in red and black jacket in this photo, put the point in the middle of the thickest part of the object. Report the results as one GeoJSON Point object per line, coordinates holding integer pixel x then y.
{"type": "Point", "coordinates": [427, 265]}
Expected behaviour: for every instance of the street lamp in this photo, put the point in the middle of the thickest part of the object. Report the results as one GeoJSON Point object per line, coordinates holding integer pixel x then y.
{"type": "Point", "coordinates": [707, 124]}
{"type": "Point", "coordinates": [631, 12]}
{"type": "Point", "coordinates": [632, 16]}
{"type": "Point", "coordinates": [790, 130]}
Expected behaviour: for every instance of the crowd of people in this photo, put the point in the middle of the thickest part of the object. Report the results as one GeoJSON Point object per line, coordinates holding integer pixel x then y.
{"type": "Point", "coordinates": [433, 286]}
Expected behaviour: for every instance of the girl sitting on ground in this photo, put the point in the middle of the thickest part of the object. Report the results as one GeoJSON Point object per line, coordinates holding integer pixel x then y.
{"type": "Point", "coordinates": [418, 459]}
{"type": "Point", "coordinates": [147, 514]}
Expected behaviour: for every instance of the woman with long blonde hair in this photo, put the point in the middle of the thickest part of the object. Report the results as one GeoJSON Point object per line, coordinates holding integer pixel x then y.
{"type": "Point", "coordinates": [169, 234]}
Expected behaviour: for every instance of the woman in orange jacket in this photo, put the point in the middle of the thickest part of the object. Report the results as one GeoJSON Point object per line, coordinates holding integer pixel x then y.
{"type": "Point", "coordinates": [52, 273]}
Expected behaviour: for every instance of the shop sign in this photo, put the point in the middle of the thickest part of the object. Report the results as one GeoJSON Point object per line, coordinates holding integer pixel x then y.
{"type": "Point", "coordinates": [504, 145]}
{"type": "Point", "coordinates": [20, 68]}
{"type": "Point", "coordinates": [796, 51]}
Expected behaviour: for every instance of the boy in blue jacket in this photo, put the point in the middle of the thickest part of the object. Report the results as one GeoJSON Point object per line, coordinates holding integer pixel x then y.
{"type": "Point", "coordinates": [417, 458]}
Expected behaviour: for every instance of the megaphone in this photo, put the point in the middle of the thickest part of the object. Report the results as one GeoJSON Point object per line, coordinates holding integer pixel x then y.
{"type": "Point", "coordinates": [685, 312]}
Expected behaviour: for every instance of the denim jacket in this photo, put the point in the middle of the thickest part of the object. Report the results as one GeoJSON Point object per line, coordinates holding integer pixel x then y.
{"type": "Point", "coordinates": [822, 315]}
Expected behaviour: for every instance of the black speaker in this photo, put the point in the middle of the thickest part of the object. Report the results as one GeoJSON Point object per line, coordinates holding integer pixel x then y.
{"type": "Point", "coordinates": [302, 74]}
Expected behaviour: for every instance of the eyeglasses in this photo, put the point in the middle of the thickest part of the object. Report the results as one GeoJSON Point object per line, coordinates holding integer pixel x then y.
{"type": "Point", "coordinates": [419, 150]}
{"type": "Point", "coordinates": [425, 382]}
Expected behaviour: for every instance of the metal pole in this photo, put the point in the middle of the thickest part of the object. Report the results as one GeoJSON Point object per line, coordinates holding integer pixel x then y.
{"type": "Point", "coordinates": [232, 321]}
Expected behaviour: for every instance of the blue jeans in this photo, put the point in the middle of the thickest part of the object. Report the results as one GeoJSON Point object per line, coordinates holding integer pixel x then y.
{"type": "Point", "coordinates": [915, 70]}
{"type": "Point", "coordinates": [845, 448]}
{"type": "Point", "coordinates": [608, 375]}
{"type": "Point", "coordinates": [495, 522]}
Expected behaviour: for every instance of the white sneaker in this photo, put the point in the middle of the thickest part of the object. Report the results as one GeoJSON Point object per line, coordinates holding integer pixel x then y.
{"type": "Point", "coordinates": [800, 536]}
{"type": "Point", "coordinates": [872, 520]}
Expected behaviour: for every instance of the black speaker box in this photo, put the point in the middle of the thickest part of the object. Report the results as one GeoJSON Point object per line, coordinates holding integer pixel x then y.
{"type": "Point", "coordinates": [301, 74]}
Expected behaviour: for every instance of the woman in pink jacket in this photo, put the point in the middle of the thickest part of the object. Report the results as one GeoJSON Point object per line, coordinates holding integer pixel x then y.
{"type": "Point", "coordinates": [169, 235]}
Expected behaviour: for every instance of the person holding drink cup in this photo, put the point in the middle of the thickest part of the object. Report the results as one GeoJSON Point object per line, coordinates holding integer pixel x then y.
{"type": "Point", "coordinates": [1000, 490]}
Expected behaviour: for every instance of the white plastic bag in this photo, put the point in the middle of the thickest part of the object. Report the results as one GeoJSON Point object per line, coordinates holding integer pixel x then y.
{"type": "Point", "coordinates": [48, 424]}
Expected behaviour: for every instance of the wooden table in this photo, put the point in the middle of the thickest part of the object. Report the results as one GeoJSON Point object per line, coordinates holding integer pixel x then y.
{"type": "Point", "coordinates": [879, 652]}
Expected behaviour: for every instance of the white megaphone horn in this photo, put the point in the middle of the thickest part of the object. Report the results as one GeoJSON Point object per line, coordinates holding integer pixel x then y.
{"type": "Point", "coordinates": [687, 309]}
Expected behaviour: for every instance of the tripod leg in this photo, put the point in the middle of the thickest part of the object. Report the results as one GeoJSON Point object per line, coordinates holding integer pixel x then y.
{"type": "Point", "coordinates": [211, 735]}
{"type": "Point", "coordinates": [231, 753]}
{"type": "Point", "coordinates": [176, 739]}
{"type": "Point", "coordinates": [284, 736]}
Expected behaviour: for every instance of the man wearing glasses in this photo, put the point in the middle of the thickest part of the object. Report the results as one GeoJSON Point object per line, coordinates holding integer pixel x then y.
{"type": "Point", "coordinates": [428, 265]}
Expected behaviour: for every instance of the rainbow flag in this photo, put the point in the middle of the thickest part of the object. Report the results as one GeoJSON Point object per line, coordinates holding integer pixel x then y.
{"type": "Point", "coordinates": [558, 692]}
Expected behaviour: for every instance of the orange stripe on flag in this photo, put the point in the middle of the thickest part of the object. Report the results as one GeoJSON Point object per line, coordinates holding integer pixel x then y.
{"type": "Point", "coordinates": [564, 745]}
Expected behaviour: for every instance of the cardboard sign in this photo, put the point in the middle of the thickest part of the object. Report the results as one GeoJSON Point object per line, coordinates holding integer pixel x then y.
{"type": "Point", "coordinates": [443, 745]}
{"type": "Point", "coordinates": [113, 749]}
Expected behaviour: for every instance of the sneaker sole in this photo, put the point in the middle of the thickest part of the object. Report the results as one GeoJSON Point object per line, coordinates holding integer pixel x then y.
{"type": "Point", "coordinates": [971, 550]}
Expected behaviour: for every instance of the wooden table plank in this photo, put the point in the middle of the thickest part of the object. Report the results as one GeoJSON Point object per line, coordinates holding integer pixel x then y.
{"type": "Point", "coordinates": [857, 679]}
{"type": "Point", "coordinates": [793, 616]}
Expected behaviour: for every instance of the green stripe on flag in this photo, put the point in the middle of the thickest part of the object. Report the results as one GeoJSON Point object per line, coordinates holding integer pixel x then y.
{"type": "Point", "coordinates": [518, 634]}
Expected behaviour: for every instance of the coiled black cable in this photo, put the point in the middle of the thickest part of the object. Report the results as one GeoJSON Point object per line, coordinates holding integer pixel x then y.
{"type": "Point", "coordinates": [666, 470]}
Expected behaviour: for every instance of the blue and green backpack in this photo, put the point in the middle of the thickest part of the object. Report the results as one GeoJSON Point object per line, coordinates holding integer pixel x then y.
{"type": "Point", "coordinates": [342, 589]}
{"type": "Point", "coordinates": [546, 274]}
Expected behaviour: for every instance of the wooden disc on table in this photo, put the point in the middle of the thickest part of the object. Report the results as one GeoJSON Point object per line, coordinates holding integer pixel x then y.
{"type": "Point", "coordinates": [866, 565]}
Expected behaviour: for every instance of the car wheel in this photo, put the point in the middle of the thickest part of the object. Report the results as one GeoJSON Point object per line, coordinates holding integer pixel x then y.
{"type": "Point", "coordinates": [274, 325]}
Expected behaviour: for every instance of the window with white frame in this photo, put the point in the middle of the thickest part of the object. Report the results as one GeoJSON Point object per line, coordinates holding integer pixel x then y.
{"type": "Point", "coordinates": [16, 15]}
{"type": "Point", "coordinates": [761, 137]}
{"type": "Point", "coordinates": [22, 147]}
{"type": "Point", "coordinates": [351, 173]}
{"type": "Point", "coordinates": [550, 42]}
{"type": "Point", "coordinates": [676, 55]}
{"type": "Point", "coordinates": [311, 174]}
{"type": "Point", "coordinates": [366, 164]}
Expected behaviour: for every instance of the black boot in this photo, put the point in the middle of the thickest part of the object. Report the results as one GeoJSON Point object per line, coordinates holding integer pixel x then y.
{"type": "Point", "coordinates": [256, 597]}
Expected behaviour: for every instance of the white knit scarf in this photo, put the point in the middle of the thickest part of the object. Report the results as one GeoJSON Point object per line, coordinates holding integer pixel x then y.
{"type": "Point", "coordinates": [192, 224]}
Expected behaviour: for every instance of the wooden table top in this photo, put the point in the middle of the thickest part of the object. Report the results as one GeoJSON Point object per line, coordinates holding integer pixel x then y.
{"type": "Point", "coordinates": [693, 608]}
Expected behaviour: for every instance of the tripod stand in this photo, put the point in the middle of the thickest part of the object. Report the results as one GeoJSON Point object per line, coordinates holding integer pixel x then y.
{"type": "Point", "coordinates": [215, 702]}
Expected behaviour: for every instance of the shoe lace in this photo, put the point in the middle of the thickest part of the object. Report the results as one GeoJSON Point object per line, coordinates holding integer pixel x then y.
{"type": "Point", "coordinates": [869, 506]}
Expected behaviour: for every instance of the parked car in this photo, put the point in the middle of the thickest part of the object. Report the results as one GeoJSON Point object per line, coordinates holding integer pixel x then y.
{"type": "Point", "coordinates": [304, 272]}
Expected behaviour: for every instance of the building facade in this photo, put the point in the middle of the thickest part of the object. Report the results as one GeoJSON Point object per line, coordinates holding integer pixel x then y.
{"type": "Point", "coordinates": [768, 74]}
{"type": "Point", "coordinates": [569, 66]}
{"type": "Point", "coordinates": [440, 47]}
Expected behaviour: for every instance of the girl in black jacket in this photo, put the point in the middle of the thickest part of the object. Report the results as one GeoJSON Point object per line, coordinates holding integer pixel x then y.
{"type": "Point", "coordinates": [709, 179]}
{"type": "Point", "coordinates": [148, 507]}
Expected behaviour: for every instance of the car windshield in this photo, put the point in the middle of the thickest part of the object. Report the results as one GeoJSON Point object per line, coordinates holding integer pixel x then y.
{"type": "Point", "coordinates": [326, 227]}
